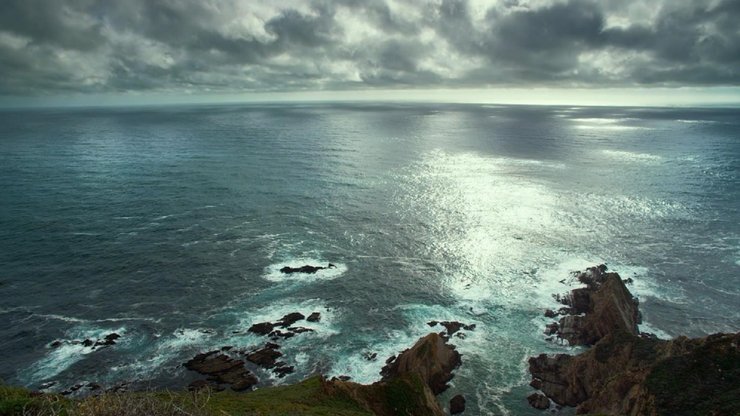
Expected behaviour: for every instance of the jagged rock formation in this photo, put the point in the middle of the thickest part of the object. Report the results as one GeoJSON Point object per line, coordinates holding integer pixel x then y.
{"type": "Point", "coordinates": [410, 381]}
{"type": "Point", "coordinates": [626, 373]}
{"type": "Point", "coordinates": [603, 306]}
{"type": "Point", "coordinates": [222, 369]}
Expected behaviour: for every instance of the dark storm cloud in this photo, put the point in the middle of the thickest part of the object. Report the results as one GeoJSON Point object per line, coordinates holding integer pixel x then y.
{"type": "Point", "coordinates": [52, 46]}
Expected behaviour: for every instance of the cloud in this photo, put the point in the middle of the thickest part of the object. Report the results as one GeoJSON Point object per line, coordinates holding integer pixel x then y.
{"type": "Point", "coordinates": [53, 47]}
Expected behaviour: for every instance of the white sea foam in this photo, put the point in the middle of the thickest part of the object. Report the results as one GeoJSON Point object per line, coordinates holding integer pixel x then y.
{"type": "Point", "coordinates": [605, 124]}
{"type": "Point", "coordinates": [273, 273]}
{"type": "Point", "coordinates": [62, 357]}
{"type": "Point", "coordinates": [696, 121]}
{"type": "Point", "coordinates": [326, 326]}
{"type": "Point", "coordinates": [391, 342]}
{"type": "Point", "coordinates": [647, 327]}
{"type": "Point", "coordinates": [165, 349]}
{"type": "Point", "coordinates": [631, 156]}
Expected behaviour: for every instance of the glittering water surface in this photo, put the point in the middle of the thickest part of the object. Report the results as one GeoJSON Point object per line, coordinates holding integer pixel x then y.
{"type": "Point", "coordinates": [169, 226]}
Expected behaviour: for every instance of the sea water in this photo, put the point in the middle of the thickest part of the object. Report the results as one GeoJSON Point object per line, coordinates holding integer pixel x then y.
{"type": "Point", "coordinates": [168, 226]}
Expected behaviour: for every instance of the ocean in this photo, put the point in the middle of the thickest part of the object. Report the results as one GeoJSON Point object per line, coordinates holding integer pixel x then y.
{"type": "Point", "coordinates": [168, 225]}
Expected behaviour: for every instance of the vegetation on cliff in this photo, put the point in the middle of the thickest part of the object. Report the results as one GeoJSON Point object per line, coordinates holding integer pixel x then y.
{"type": "Point", "coordinates": [408, 387]}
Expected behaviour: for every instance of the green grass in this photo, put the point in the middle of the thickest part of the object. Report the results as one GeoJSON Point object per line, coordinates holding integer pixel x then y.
{"type": "Point", "coordinates": [17, 401]}
{"type": "Point", "coordinates": [305, 398]}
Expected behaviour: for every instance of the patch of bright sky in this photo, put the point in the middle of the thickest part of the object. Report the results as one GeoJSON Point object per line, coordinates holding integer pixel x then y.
{"type": "Point", "coordinates": [684, 97]}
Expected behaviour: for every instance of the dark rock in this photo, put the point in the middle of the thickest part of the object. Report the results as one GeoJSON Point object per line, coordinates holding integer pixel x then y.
{"type": "Point", "coordinates": [88, 343]}
{"type": "Point", "coordinates": [239, 381]}
{"type": "Point", "coordinates": [430, 358]}
{"type": "Point", "coordinates": [284, 370]}
{"type": "Point", "coordinates": [314, 317]}
{"type": "Point", "coordinates": [549, 313]}
{"type": "Point", "coordinates": [47, 385]}
{"type": "Point", "coordinates": [390, 359]}
{"type": "Point", "coordinates": [536, 383]}
{"type": "Point", "coordinates": [265, 357]}
{"type": "Point", "coordinates": [370, 356]}
{"type": "Point", "coordinates": [94, 386]}
{"type": "Point", "coordinates": [300, 329]}
{"type": "Point", "coordinates": [272, 346]}
{"type": "Point", "coordinates": [551, 328]}
{"type": "Point", "coordinates": [290, 319]}
{"type": "Point", "coordinates": [627, 373]}
{"type": "Point", "coordinates": [451, 326]}
{"type": "Point", "coordinates": [262, 328]}
{"type": "Point", "coordinates": [303, 269]}
{"type": "Point", "coordinates": [538, 401]}
{"type": "Point", "coordinates": [56, 344]}
{"type": "Point", "coordinates": [109, 339]}
{"type": "Point", "coordinates": [470, 327]}
{"type": "Point", "coordinates": [457, 404]}
{"type": "Point", "coordinates": [227, 348]}
{"type": "Point", "coordinates": [277, 334]}
{"type": "Point", "coordinates": [344, 378]}
{"type": "Point", "coordinates": [602, 307]}
{"type": "Point", "coordinates": [223, 369]}
{"type": "Point", "coordinates": [432, 323]}
{"type": "Point", "coordinates": [211, 363]}
{"type": "Point", "coordinates": [460, 335]}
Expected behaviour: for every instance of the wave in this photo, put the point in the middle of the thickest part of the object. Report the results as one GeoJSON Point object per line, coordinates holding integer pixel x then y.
{"type": "Point", "coordinates": [631, 156]}
{"type": "Point", "coordinates": [65, 355]}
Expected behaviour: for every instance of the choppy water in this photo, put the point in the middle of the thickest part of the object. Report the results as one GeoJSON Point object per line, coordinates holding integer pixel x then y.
{"type": "Point", "coordinates": [168, 225]}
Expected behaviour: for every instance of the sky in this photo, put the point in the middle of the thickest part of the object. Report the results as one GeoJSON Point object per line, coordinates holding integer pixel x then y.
{"type": "Point", "coordinates": [87, 52]}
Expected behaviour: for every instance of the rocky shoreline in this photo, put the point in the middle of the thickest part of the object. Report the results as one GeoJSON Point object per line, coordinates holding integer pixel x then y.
{"type": "Point", "coordinates": [622, 371]}
{"type": "Point", "coordinates": [625, 372]}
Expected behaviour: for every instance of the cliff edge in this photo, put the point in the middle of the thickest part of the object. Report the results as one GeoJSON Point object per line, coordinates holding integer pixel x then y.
{"type": "Point", "coordinates": [628, 373]}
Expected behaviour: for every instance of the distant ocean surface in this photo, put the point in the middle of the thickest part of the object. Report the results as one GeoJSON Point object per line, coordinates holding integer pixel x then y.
{"type": "Point", "coordinates": [168, 225]}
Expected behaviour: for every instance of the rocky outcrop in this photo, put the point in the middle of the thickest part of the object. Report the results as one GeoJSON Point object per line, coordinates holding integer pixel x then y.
{"type": "Point", "coordinates": [430, 358]}
{"type": "Point", "coordinates": [627, 373]}
{"type": "Point", "coordinates": [222, 369]}
{"type": "Point", "coordinates": [624, 374]}
{"type": "Point", "coordinates": [308, 269]}
{"type": "Point", "coordinates": [410, 381]}
{"type": "Point", "coordinates": [603, 306]}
